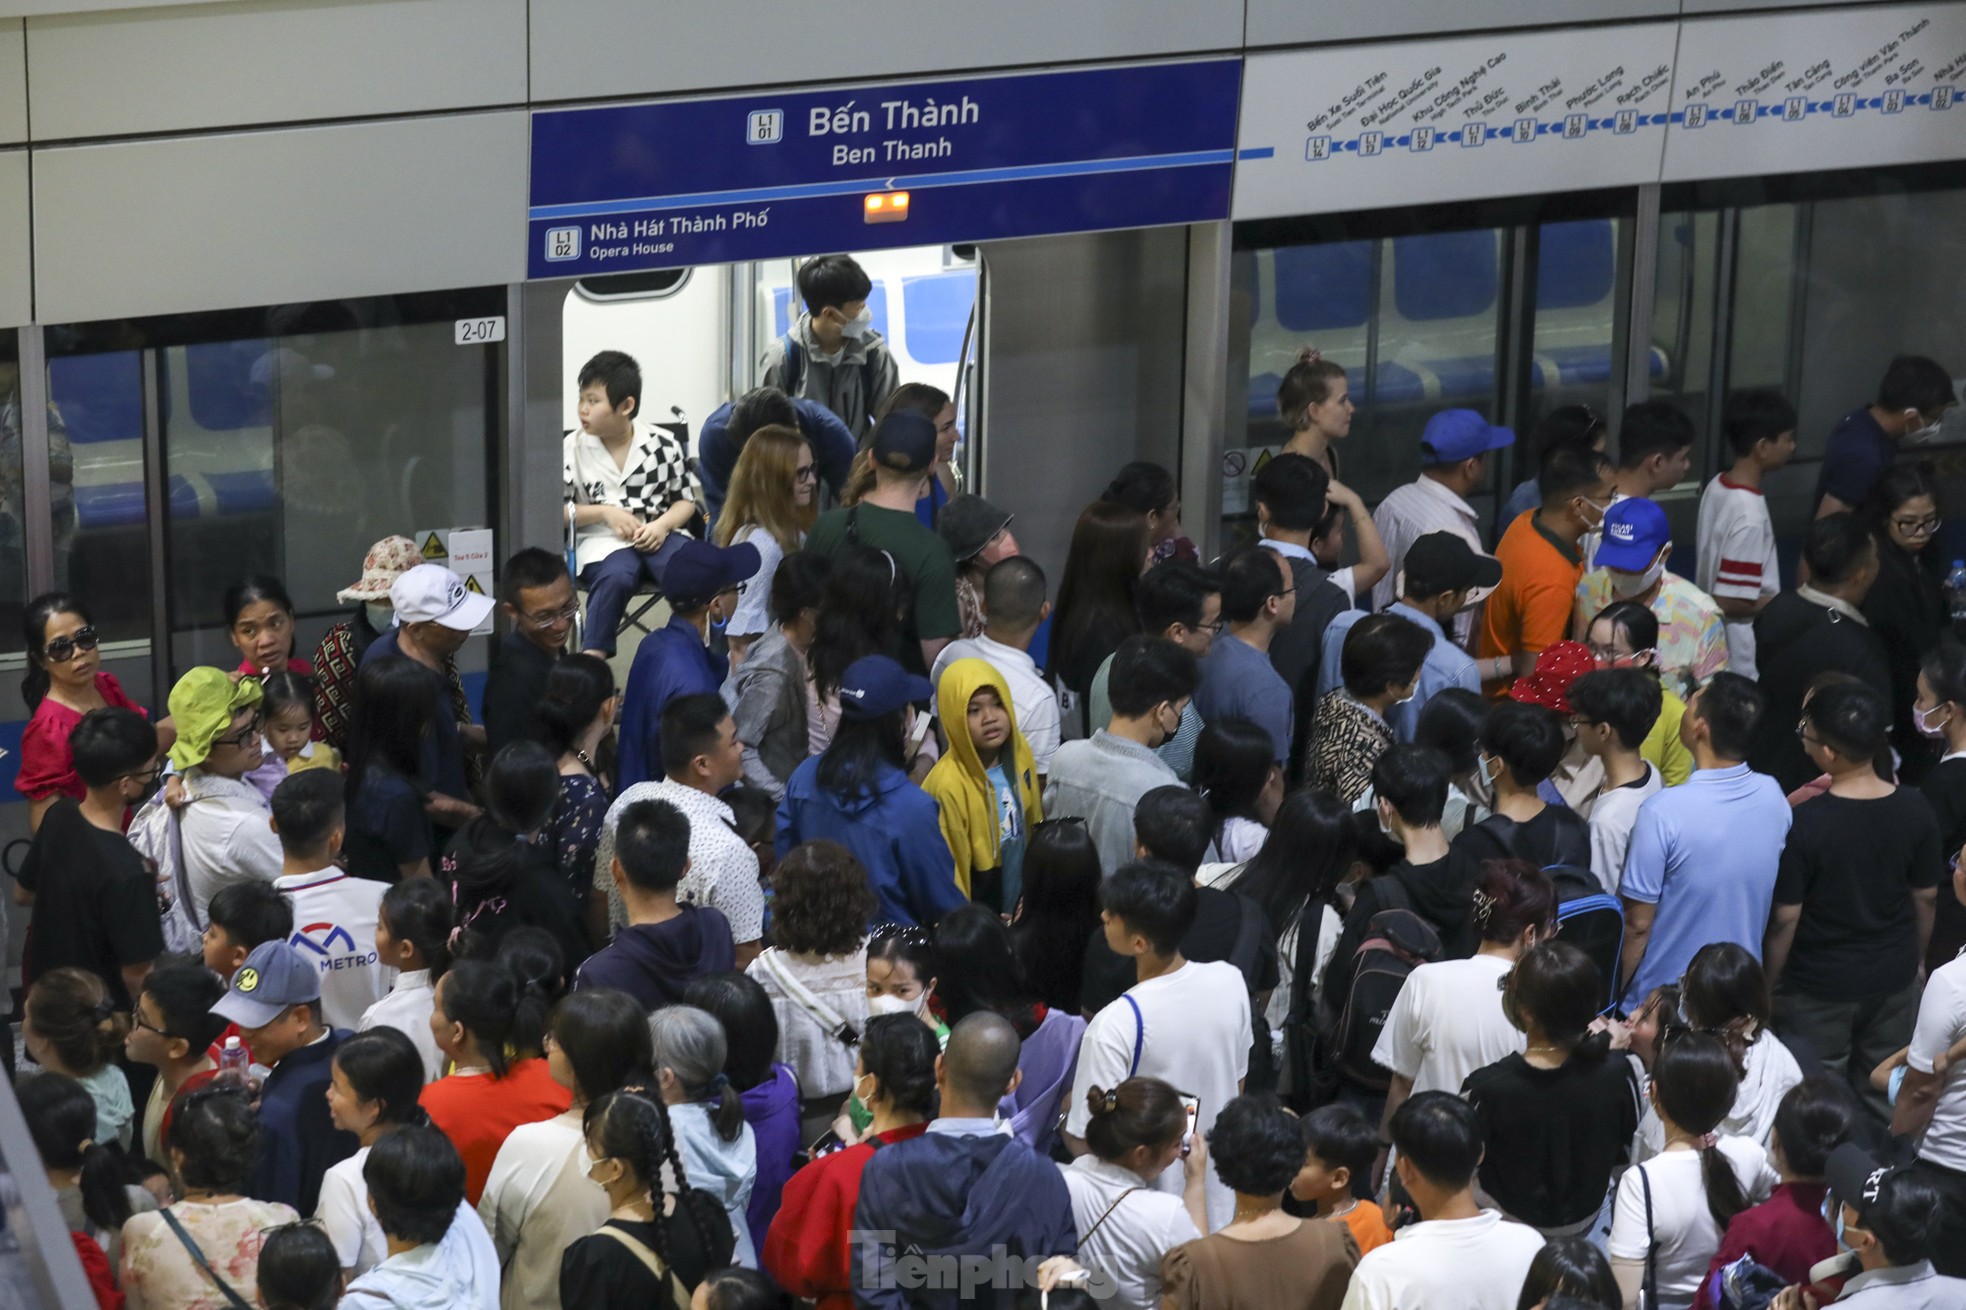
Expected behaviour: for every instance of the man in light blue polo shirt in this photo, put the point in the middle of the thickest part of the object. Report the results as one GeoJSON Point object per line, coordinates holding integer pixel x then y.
{"type": "Point", "coordinates": [1237, 679]}
{"type": "Point", "coordinates": [1703, 857]}
{"type": "Point", "coordinates": [1442, 576]}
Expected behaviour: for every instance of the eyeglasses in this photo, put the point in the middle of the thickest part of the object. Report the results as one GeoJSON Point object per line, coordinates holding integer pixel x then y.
{"type": "Point", "coordinates": [1212, 629]}
{"type": "Point", "coordinates": [62, 649]}
{"type": "Point", "coordinates": [1924, 527]}
{"type": "Point", "coordinates": [553, 618]}
{"type": "Point", "coordinates": [148, 777]}
{"type": "Point", "coordinates": [137, 1019]}
{"type": "Point", "coordinates": [241, 737]}
{"type": "Point", "coordinates": [1802, 734]}
{"type": "Point", "coordinates": [805, 473]}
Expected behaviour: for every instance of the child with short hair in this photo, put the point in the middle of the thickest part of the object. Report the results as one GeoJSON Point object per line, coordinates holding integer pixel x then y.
{"type": "Point", "coordinates": [1339, 1147]}
{"type": "Point", "coordinates": [172, 1030]}
{"type": "Point", "coordinates": [71, 1027]}
{"type": "Point", "coordinates": [286, 710]}
{"type": "Point", "coordinates": [412, 936]}
{"type": "Point", "coordinates": [298, 1269]}
{"type": "Point", "coordinates": [240, 917]}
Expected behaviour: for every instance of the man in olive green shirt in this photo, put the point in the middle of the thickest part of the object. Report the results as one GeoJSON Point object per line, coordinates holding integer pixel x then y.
{"type": "Point", "coordinates": [925, 572]}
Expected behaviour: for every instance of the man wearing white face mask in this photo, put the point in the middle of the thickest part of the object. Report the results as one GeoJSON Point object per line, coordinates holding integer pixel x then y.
{"type": "Point", "coordinates": [1910, 406]}
{"type": "Point", "coordinates": [1631, 565]}
{"type": "Point", "coordinates": [832, 355]}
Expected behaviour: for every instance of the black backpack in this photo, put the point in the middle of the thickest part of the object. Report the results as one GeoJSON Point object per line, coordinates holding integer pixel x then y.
{"type": "Point", "coordinates": [1397, 941]}
{"type": "Point", "coordinates": [1587, 917]}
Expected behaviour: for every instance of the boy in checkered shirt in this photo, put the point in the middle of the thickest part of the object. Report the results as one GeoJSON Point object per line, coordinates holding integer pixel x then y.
{"type": "Point", "coordinates": [633, 490]}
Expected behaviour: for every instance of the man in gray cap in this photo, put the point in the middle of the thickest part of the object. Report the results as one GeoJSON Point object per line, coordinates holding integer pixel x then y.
{"type": "Point", "coordinates": [275, 998]}
{"type": "Point", "coordinates": [978, 534]}
{"type": "Point", "coordinates": [884, 519]}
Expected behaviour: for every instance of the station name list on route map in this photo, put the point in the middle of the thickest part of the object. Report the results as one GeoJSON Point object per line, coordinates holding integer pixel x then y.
{"type": "Point", "coordinates": [707, 181]}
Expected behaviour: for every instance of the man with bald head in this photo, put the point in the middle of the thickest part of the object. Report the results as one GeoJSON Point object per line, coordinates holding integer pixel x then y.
{"type": "Point", "coordinates": [963, 1214]}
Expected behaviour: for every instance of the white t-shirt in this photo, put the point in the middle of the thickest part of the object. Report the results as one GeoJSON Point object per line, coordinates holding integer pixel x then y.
{"type": "Point", "coordinates": [1771, 1072]}
{"type": "Point", "coordinates": [1447, 1023]}
{"type": "Point", "coordinates": [228, 837]}
{"type": "Point", "coordinates": [334, 926]}
{"type": "Point", "coordinates": [1143, 1225]}
{"type": "Point", "coordinates": [1193, 1032]}
{"type": "Point", "coordinates": [1683, 1231]}
{"type": "Point", "coordinates": [752, 617]}
{"type": "Point", "coordinates": [1941, 1022]}
{"type": "Point", "coordinates": [343, 1211]}
{"type": "Point", "coordinates": [1468, 1264]}
{"type": "Point", "coordinates": [407, 1009]}
{"type": "Point", "coordinates": [1241, 838]}
{"type": "Point", "coordinates": [1737, 559]}
{"type": "Point", "coordinates": [1612, 815]}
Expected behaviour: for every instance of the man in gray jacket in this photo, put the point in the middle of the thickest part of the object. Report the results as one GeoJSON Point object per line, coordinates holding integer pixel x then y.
{"type": "Point", "coordinates": [832, 355]}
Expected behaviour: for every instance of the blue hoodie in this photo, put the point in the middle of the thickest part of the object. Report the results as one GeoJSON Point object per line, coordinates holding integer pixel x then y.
{"type": "Point", "coordinates": [895, 833]}
{"type": "Point", "coordinates": [955, 1194]}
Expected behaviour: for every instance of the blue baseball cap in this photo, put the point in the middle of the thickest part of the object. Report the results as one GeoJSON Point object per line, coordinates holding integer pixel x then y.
{"type": "Point", "coordinates": [273, 977]}
{"type": "Point", "coordinates": [874, 685]}
{"type": "Point", "coordinates": [698, 571]}
{"type": "Point", "coordinates": [905, 442]}
{"type": "Point", "coordinates": [1457, 434]}
{"type": "Point", "coordinates": [1635, 529]}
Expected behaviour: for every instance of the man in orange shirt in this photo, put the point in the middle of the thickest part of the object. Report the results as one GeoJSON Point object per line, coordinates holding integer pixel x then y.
{"type": "Point", "coordinates": [1541, 566]}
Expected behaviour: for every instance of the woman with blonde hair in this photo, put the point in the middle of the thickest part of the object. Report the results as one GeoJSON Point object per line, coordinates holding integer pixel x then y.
{"type": "Point", "coordinates": [771, 504]}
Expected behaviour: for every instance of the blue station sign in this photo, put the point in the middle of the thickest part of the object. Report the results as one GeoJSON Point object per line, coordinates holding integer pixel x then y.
{"type": "Point", "coordinates": [763, 175]}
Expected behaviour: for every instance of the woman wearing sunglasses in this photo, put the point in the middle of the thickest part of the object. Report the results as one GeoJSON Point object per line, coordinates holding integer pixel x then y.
{"type": "Point", "coordinates": [64, 681]}
{"type": "Point", "coordinates": [1906, 605]}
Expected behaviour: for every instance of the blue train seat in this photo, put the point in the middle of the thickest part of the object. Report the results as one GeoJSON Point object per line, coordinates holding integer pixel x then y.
{"type": "Point", "coordinates": [938, 306]}
{"type": "Point", "coordinates": [99, 397]}
{"type": "Point", "coordinates": [1575, 264]}
{"type": "Point", "coordinates": [1444, 275]}
{"type": "Point", "coordinates": [219, 379]}
{"type": "Point", "coordinates": [1320, 288]}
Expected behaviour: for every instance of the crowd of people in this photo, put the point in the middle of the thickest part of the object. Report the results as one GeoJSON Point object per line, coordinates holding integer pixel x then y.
{"type": "Point", "coordinates": [1498, 919]}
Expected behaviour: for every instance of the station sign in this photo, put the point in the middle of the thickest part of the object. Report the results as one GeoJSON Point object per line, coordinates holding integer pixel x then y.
{"type": "Point", "coordinates": [673, 183]}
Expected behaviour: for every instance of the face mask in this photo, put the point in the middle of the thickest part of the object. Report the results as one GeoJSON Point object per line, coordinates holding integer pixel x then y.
{"type": "Point", "coordinates": [1385, 829]}
{"type": "Point", "coordinates": [880, 1005]}
{"type": "Point", "coordinates": [856, 327]}
{"type": "Point", "coordinates": [1919, 436]}
{"type": "Point", "coordinates": [1928, 728]}
{"type": "Point", "coordinates": [592, 1165]}
{"type": "Point", "coordinates": [382, 615]}
{"type": "Point", "coordinates": [1490, 769]}
{"type": "Point", "coordinates": [1626, 585]}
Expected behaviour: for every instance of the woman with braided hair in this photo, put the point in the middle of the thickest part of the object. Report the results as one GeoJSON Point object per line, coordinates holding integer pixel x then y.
{"type": "Point", "coordinates": [719, 1151]}
{"type": "Point", "coordinates": [651, 1235]}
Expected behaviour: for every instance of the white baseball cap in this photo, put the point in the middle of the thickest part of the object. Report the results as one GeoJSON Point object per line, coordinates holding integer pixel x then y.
{"type": "Point", "coordinates": [430, 593]}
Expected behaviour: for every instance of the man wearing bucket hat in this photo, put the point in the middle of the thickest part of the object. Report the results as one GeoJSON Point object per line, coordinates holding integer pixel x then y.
{"type": "Point", "coordinates": [225, 828]}
{"type": "Point", "coordinates": [978, 535]}
{"type": "Point", "coordinates": [701, 583]}
{"type": "Point", "coordinates": [275, 998]}
{"type": "Point", "coordinates": [435, 612]}
{"type": "Point", "coordinates": [340, 653]}
{"type": "Point", "coordinates": [1631, 565]}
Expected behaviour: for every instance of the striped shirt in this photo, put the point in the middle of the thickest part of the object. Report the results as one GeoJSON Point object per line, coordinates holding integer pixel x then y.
{"type": "Point", "coordinates": [1737, 558]}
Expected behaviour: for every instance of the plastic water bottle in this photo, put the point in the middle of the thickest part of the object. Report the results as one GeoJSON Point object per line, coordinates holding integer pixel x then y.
{"type": "Point", "coordinates": [1956, 592]}
{"type": "Point", "coordinates": [232, 1064]}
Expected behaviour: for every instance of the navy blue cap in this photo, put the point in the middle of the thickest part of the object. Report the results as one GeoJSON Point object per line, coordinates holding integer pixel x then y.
{"type": "Point", "coordinates": [1635, 529]}
{"type": "Point", "coordinates": [1457, 434]}
{"type": "Point", "coordinates": [698, 571]}
{"type": "Point", "coordinates": [874, 685]}
{"type": "Point", "coordinates": [905, 442]}
{"type": "Point", "coordinates": [273, 977]}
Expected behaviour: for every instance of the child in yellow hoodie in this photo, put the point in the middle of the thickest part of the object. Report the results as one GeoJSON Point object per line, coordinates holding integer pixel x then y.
{"type": "Point", "coordinates": [987, 784]}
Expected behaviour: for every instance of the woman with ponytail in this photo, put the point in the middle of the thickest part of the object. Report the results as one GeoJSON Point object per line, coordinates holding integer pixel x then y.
{"type": "Point", "coordinates": [572, 719]}
{"type": "Point", "coordinates": [1671, 1211]}
{"type": "Point", "coordinates": [500, 868]}
{"type": "Point", "coordinates": [649, 1235]}
{"type": "Point", "coordinates": [1559, 1116]}
{"type": "Point", "coordinates": [86, 1174]}
{"type": "Point", "coordinates": [1126, 1227]}
{"type": "Point", "coordinates": [71, 1027]}
{"type": "Point", "coordinates": [376, 1078]}
{"type": "Point", "coordinates": [487, 1022]}
{"type": "Point", "coordinates": [64, 681]}
{"type": "Point", "coordinates": [808, 1250]}
{"type": "Point", "coordinates": [719, 1151]}
{"type": "Point", "coordinates": [538, 1198]}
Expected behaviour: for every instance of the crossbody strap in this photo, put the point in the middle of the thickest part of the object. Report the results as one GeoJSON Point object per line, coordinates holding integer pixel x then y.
{"type": "Point", "coordinates": [651, 1261]}
{"type": "Point", "coordinates": [825, 1015]}
{"type": "Point", "coordinates": [236, 1301]}
{"type": "Point", "coordinates": [1087, 1235]}
{"type": "Point", "coordinates": [1139, 1033]}
{"type": "Point", "coordinates": [1651, 1245]}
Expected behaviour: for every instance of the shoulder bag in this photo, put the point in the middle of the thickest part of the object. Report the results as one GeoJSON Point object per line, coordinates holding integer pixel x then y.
{"type": "Point", "coordinates": [824, 1015]}
{"type": "Point", "coordinates": [651, 1261]}
{"type": "Point", "coordinates": [232, 1297]}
